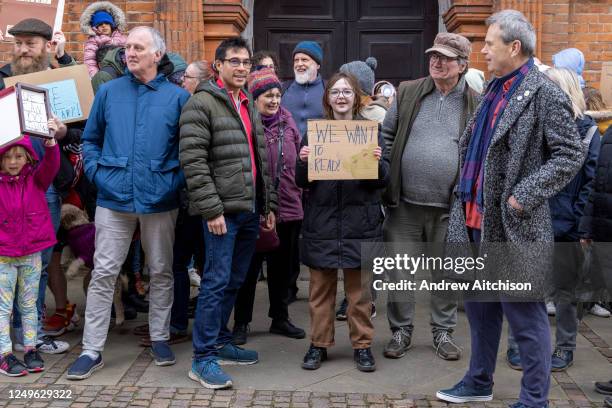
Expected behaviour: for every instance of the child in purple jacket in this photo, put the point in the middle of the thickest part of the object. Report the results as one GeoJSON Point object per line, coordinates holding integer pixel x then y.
{"type": "Point", "coordinates": [25, 231]}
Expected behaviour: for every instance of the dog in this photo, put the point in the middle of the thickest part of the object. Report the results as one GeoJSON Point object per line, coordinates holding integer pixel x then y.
{"type": "Point", "coordinates": [80, 236]}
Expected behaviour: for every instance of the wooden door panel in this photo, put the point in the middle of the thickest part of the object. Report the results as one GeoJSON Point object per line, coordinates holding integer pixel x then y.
{"type": "Point", "coordinates": [399, 54]}
{"type": "Point", "coordinates": [396, 32]}
{"type": "Point", "coordinates": [391, 9]}
{"type": "Point", "coordinates": [299, 9]}
{"type": "Point", "coordinates": [283, 41]}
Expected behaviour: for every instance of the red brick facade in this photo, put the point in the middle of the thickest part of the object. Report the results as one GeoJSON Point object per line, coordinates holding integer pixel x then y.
{"type": "Point", "coordinates": [583, 24]}
{"type": "Point", "coordinates": [194, 27]}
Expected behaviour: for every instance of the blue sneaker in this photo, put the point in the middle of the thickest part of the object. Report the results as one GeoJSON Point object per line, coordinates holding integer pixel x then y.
{"type": "Point", "coordinates": [519, 404]}
{"type": "Point", "coordinates": [162, 354]}
{"type": "Point", "coordinates": [562, 359]}
{"type": "Point", "coordinates": [84, 367]}
{"type": "Point", "coordinates": [513, 358]}
{"type": "Point", "coordinates": [231, 354]}
{"type": "Point", "coordinates": [209, 374]}
{"type": "Point", "coordinates": [461, 393]}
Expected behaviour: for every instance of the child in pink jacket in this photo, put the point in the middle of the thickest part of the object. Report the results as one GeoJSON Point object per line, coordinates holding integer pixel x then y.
{"type": "Point", "coordinates": [105, 24]}
{"type": "Point", "coordinates": [25, 231]}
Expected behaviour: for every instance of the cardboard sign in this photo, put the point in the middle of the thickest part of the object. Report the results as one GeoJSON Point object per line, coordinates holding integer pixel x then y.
{"type": "Point", "coordinates": [70, 91]}
{"type": "Point", "coordinates": [13, 11]}
{"type": "Point", "coordinates": [605, 86]}
{"type": "Point", "coordinates": [342, 149]}
{"type": "Point", "coordinates": [24, 109]}
{"type": "Point", "coordinates": [9, 117]}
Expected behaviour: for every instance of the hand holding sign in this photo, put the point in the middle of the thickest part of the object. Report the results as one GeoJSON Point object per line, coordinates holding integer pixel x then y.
{"type": "Point", "coordinates": [59, 44]}
{"type": "Point", "coordinates": [57, 127]}
{"type": "Point", "coordinates": [342, 150]}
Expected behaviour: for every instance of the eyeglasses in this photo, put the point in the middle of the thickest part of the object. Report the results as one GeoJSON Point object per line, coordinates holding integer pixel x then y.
{"type": "Point", "coordinates": [442, 58]}
{"type": "Point", "coordinates": [235, 62]}
{"type": "Point", "coordinates": [347, 93]}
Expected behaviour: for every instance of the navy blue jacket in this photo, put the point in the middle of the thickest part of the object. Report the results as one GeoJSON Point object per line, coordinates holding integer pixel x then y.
{"type": "Point", "coordinates": [567, 207]}
{"type": "Point", "coordinates": [130, 145]}
{"type": "Point", "coordinates": [304, 102]}
{"type": "Point", "coordinates": [597, 220]}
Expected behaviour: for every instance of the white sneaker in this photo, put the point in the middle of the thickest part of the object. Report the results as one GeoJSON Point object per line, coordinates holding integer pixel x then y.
{"type": "Point", "coordinates": [599, 311]}
{"type": "Point", "coordinates": [194, 277]}
{"type": "Point", "coordinates": [551, 309]}
{"type": "Point", "coordinates": [47, 345]}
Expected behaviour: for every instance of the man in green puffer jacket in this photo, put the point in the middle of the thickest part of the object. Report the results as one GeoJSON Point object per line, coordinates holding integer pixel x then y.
{"type": "Point", "coordinates": [223, 155]}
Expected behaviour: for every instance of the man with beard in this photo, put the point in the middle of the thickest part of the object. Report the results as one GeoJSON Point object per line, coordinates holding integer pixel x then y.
{"type": "Point", "coordinates": [34, 41]}
{"type": "Point", "coordinates": [303, 96]}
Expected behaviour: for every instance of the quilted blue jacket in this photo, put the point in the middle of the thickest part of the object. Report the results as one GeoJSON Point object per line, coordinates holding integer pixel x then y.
{"type": "Point", "coordinates": [130, 145]}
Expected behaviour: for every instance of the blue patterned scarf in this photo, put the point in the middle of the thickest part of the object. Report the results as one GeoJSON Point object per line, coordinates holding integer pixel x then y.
{"type": "Point", "coordinates": [495, 100]}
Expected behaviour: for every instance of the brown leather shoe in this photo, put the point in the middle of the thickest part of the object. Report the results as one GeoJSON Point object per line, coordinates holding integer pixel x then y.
{"type": "Point", "coordinates": [142, 330]}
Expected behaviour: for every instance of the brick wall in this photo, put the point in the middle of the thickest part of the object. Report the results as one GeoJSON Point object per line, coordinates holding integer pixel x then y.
{"type": "Point", "coordinates": [180, 22]}
{"type": "Point", "coordinates": [583, 24]}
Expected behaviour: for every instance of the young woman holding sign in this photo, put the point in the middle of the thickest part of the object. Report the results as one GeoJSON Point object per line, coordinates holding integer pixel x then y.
{"type": "Point", "coordinates": [338, 217]}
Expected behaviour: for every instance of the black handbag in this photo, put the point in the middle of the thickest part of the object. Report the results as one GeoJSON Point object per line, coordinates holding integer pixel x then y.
{"type": "Point", "coordinates": [268, 239]}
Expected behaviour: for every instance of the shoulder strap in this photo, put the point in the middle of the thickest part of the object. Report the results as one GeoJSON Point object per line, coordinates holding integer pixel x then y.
{"type": "Point", "coordinates": [279, 162]}
{"type": "Point", "coordinates": [589, 136]}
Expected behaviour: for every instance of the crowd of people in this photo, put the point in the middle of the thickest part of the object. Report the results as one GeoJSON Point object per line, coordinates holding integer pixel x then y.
{"type": "Point", "coordinates": [199, 172]}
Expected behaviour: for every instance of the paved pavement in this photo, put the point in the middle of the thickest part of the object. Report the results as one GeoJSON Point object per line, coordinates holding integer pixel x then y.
{"type": "Point", "coordinates": [129, 377]}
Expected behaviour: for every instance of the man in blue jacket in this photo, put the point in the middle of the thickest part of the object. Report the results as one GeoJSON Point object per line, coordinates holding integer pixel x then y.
{"type": "Point", "coordinates": [130, 150]}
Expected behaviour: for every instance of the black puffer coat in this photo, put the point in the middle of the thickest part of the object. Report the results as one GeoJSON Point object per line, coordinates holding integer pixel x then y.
{"type": "Point", "coordinates": [597, 219]}
{"type": "Point", "coordinates": [339, 216]}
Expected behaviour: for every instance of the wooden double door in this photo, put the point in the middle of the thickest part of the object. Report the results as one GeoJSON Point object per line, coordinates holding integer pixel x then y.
{"type": "Point", "coordinates": [395, 32]}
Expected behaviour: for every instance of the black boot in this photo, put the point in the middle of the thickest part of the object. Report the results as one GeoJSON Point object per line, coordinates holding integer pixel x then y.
{"type": "Point", "coordinates": [240, 334]}
{"type": "Point", "coordinates": [364, 360]}
{"type": "Point", "coordinates": [286, 328]}
{"type": "Point", "coordinates": [313, 358]}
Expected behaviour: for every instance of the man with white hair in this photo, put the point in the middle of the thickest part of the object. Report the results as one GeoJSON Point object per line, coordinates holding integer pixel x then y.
{"type": "Point", "coordinates": [521, 148]}
{"type": "Point", "coordinates": [303, 96]}
{"type": "Point", "coordinates": [130, 151]}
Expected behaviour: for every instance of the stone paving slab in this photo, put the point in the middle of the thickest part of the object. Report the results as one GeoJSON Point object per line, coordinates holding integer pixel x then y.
{"type": "Point", "coordinates": [129, 377]}
{"type": "Point", "coordinates": [33, 395]}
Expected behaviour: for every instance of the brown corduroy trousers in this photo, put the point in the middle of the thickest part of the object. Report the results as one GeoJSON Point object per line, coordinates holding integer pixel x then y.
{"type": "Point", "coordinates": [322, 302]}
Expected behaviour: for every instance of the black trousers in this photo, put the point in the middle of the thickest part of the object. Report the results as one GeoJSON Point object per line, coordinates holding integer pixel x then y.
{"type": "Point", "coordinates": [280, 270]}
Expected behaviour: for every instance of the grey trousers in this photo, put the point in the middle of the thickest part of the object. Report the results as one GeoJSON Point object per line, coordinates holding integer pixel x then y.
{"type": "Point", "coordinates": [566, 327]}
{"type": "Point", "coordinates": [417, 223]}
{"type": "Point", "coordinates": [114, 231]}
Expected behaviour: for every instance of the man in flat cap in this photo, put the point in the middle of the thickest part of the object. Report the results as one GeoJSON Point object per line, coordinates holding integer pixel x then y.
{"type": "Point", "coordinates": [421, 131]}
{"type": "Point", "coordinates": [34, 40]}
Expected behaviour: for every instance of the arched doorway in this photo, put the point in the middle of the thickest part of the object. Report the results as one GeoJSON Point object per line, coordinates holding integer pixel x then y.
{"type": "Point", "coordinates": [396, 32]}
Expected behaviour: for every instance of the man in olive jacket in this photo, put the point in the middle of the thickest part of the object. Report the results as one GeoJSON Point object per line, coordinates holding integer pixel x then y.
{"type": "Point", "coordinates": [223, 155]}
{"type": "Point", "coordinates": [421, 133]}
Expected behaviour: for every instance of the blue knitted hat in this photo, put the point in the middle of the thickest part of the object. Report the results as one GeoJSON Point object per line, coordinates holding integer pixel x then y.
{"type": "Point", "coordinates": [310, 48]}
{"type": "Point", "coordinates": [102, 16]}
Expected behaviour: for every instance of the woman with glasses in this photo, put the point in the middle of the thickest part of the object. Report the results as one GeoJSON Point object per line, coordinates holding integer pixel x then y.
{"type": "Point", "coordinates": [339, 216]}
{"type": "Point", "coordinates": [282, 142]}
{"type": "Point", "coordinates": [265, 59]}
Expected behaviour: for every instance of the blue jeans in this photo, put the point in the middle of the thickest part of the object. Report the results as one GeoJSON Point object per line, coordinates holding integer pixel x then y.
{"type": "Point", "coordinates": [529, 324]}
{"type": "Point", "coordinates": [227, 261]}
{"type": "Point", "coordinates": [54, 200]}
{"type": "Point", "coordinates": [188, 242]}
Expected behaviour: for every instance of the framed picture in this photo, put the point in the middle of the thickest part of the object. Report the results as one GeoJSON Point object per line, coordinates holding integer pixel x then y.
{"type": "Point", "coordinates": [34, 110]}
